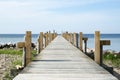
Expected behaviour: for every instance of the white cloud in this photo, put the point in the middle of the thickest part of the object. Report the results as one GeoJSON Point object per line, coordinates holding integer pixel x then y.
{"type": "Point", "coordinates": [36, 13]}
{"type": "Point", "coordinates": [46, 4]}
{"type": "Point", "coordinates": [28, 8]}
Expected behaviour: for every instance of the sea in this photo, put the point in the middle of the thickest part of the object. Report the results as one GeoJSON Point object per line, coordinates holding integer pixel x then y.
{"type": "Point", "coordinates": [114, 39]}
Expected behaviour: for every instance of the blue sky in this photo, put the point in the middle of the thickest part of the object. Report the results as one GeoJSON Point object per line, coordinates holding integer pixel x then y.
{"type": "Point", "coordinates": [87, 16]}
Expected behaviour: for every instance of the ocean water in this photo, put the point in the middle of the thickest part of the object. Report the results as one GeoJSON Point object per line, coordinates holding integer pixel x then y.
{"type": "Point", "coordinates": [114, 38]}
{"type": "Point", "coordinates": [14, 38]}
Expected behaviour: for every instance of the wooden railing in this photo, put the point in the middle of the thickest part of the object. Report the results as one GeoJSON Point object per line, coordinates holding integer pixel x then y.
{"type": "Point", "coordinates": [43, 40]}
{"type": "Point", "coordinates": [74, 38]}
{"type": "Point", "coordinates": [77, 41]}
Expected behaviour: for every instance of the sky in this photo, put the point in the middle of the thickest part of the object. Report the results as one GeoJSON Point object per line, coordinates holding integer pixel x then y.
{"type": "Point", "coordinates": [87, 16]}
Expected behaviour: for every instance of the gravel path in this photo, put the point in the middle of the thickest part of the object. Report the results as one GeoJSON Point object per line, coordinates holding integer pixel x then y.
{"type": "Point", "coordinates": [6, 65]}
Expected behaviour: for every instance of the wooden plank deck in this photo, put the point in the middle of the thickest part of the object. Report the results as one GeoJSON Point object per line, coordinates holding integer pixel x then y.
{"type": "Point", "coordinates": [60, 60]}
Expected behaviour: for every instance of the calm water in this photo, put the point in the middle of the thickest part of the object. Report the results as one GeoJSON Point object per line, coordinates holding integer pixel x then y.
{"type": "Point", "coordinates": [114, 38]}
{"type": "Point", "coordinates": [14, 38]}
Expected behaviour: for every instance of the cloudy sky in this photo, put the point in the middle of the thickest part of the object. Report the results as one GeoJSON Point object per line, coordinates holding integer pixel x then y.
{"type": "Point", "coordinates": [17, 16]}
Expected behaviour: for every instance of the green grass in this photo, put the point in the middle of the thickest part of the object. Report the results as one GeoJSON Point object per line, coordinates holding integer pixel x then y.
{"type": "Point", "coordinates": [11, 51]}
{"type": "Point", "coordinates": [114, 59]}
{"type": "Point", "coordinates": [34, 52]}
{"type": "Point", "coordinates": [18, 62]}
{"type": "Point", "coordinates": [14, 52]}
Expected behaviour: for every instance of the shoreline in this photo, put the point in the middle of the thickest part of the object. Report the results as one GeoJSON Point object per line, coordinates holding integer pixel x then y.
{"type": "Point", "coordinates": [92, 50]}
{"type": "Point", "coordinates": [13, 45]}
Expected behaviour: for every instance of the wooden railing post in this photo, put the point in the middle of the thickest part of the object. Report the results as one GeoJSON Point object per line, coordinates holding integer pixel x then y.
{"type": "Point", "coordinates": [46, 39]}
{"type": "Point", "coordinates": [76, 40]}
{"type": "Point", "coordinates": [50, 36]}
{"type": "Point", "coordinates": [38, 45]}
{"type": "Point", "coordinates": [66, 36]}
{"type": "Point", "coordinates": [70, 37]}
{"type": "Point", "coordinates": [97, 47]}
{"type": "Point", "coordinates": [22, 45]}
{"type": "Point", "coordinates": [85, 42]}
{"type": "Point", "coordinates": [103, 42]}
{"type": "Point", "coordinates": [26, 48]}
{"type": "Point", "coordinates": [41, 41]}
{"type": "Point", "coordinates": [73, 38]}
{"type": "Point", "coordinates": [81, 43]}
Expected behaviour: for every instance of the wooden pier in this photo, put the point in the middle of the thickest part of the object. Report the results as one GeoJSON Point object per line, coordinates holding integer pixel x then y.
{"type": "Point", "coordinates": [60, 60]}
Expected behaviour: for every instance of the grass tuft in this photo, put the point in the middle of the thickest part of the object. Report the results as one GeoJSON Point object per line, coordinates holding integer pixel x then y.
{"type": "Point", "coordinates": [114, 59]}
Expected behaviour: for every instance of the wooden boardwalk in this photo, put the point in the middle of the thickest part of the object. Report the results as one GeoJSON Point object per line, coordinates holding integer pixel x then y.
{"type": "Point", "coordinates": [60, 60]}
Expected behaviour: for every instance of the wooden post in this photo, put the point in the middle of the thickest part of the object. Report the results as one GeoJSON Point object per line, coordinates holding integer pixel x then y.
{"type": "Point", "coordinates": [67, 36]}
{"type": "Point", "coordinates": [24, 57]}
{"type": "Point", "coordinates": [53, 35]}
{"type": "Point", "coordinates": [85, 42]}
{"type": "Point", "coordinates": [76, 40]}
{"type": "Point", "coordinates": [50, 36]}
{"type": "Point", "coordinates": [38, 45]}
{"type": "Point", "coordinates": [22, 45]}
{"type": "Point", "coordinates": [41, 41]}
{"type": "Point", "coordinates": [28, 46]}
{"type": "Point", "coordinates": [81, 44]}
{"type": "Point", "coordinates": [70, 37]}
{"type": "Point", "coordinates": [46, 39]}
{"type": "Point", "coordinates": [103, 42]}
{"type": "Point", "coordinates": [97, 47]}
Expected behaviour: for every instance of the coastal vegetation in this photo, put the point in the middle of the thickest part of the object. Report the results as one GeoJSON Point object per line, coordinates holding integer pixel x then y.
{"type": "Point", "coordinates": [112, 59]}
{"type": "Point", "coordinates": [9, 58]}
